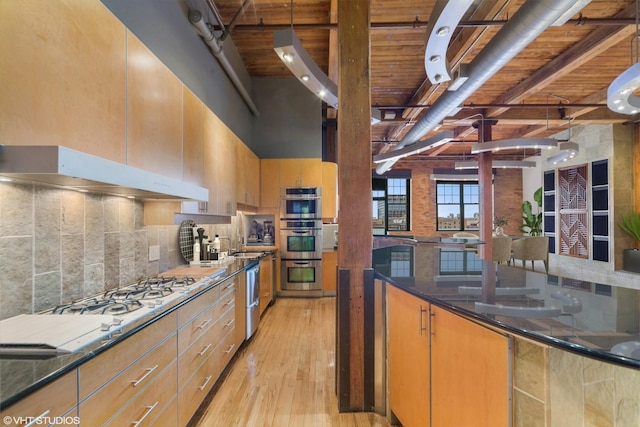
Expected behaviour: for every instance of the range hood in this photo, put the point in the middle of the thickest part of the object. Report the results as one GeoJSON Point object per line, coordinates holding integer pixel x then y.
{"type": "Point", "coordinates": [63, 167]}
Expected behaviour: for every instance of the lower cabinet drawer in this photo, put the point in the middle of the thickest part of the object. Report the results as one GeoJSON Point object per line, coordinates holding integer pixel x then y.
{"type": "Point", "coordinates": [115, 394]}
{"type": "Point", "coordinates": [226, 349]}
{"type": "Point", "coordinates": [169, 415]}
{"type": "Point", "coordinates": [51, 401]}
{"type": "Point", "coordinates": [144, 407]}
{"type": "Point", "coordinates": [196, 388]}
{"type": "Point", "coordinates": [197, 354]}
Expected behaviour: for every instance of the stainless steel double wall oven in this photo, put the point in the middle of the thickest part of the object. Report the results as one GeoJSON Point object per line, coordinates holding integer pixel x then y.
{"type": "Point", "coordinates": [301, 238]}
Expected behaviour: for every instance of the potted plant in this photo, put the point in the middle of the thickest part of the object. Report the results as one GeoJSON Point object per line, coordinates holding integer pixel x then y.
{"type": "Point", "coordinates": [532, 222]}
{"type": "Point", "coordinates": [631, 257]}
{"type": "Point", "coordinates": [500, 222]}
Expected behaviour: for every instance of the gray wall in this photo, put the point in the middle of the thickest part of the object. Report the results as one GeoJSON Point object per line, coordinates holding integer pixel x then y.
{"type": "Point", "coordinates": [290, 123]}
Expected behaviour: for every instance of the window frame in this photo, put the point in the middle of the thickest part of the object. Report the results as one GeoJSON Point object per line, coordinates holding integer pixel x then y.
{"type": "Point", "coordinates": [387, 202]}
{"type": "Point", "coordinates": [461, 204]}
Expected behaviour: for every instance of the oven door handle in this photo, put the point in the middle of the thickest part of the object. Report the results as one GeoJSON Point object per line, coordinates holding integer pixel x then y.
{"type": "Point", "coordinates": [301, 231]}
{"type": "Point", "coordinates": [301, 262]}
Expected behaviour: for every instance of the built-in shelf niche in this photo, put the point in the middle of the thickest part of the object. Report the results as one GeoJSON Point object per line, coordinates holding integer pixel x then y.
{"type": "Point", "coordinates": [600, 209]}
{"type": "Point", "coordinates": [549, 208]}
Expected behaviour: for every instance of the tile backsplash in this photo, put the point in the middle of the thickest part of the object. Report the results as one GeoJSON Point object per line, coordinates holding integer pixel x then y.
{"type": "Point", "coordinates": [58, 245]}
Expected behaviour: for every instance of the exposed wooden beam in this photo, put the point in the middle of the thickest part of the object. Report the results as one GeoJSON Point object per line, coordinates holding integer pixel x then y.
{"type": "Point", "coordinates": [597, 42]}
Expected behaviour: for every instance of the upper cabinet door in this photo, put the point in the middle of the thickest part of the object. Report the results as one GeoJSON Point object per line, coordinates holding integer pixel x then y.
{"type": "Point", "coordinates": [154, 113]}
{"type": "Point", "coordinates": [193, 138]}
{"type": "Point", "coordinates": [63, 76]}
{"type": "Point", "coordinates": [270, 183]}
{"type": "Point", "coordinates": [300, 173]}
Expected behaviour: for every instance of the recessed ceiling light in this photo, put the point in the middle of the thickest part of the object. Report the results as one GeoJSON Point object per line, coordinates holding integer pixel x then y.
{"type": "Point", "coordinates": [434, 58]}
{"type": "Point", "coordinates": [288, 57]}
{"type": "Point", "coordinates": [305, 77]}
{"type": "Point", "coordinates": [442, 31]}
{"type": "Point", "coordinates": [3, 179]}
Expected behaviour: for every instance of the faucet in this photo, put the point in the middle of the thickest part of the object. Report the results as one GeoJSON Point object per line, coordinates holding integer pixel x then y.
{"type": "Point", "coordinates": [229, 239]}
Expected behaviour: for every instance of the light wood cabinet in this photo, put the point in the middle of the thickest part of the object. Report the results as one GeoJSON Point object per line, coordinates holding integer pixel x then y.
{"type": "Point", "coordinates": [300, 173]}
{"type": "Point", "coordinates": [266, 278]}
{"type": "Point", "coordinates": [205, 325]}
{"type": "Point", "coordinates": [469, 375]}
{"type": "Point", "coordinates": [225, 169]}
{"type": "Point", "coordinates": [79, 102]}
{"type": "Point", "coordinates": [193, 161]}
{"type": "Point", "coordinates": [329, 190]}
{"type": "Point", "coordinates": [329, 264]}
{"type": "Point", "coordinates": [444, 370]}
{"type": "Point", "coordinates": [247, 176]}
{"type": "Point", "coordinates": [408, 357]}
{"type": "Point", "coordinates": [154, 123]}
{"type": "Point", "coordinates": [146, 406]}
{"type": "Point", "coordinates": [53, 400]}
{"type": "Point", "coordinates": [120, 381]}
{"type": "Point", "coordinates": [270, 183]}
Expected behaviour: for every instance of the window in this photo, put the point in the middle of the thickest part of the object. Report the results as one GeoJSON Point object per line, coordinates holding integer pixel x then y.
{"type": "Point", "coordinates": [459, 262]}
{"type": "Point", "coordinates": [458, 206]}
{"type": "Point", "coordinates": [390, 205]}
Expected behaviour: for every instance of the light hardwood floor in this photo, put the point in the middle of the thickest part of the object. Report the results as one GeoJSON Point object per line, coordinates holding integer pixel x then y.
{"type": "Point", "coordinates": [285, 376]}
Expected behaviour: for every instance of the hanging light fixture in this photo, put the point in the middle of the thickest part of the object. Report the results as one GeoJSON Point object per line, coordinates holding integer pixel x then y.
{"type": "Point", "coordinates": [289, 48]}
{"type": "Point", "coordinates": [498, 164]}
{"type": "Point", "coordinates": [568, 150]}
{"type": "Point", "coordinates": [513, 144]}
{"type": "Point", "coordinates": [443, 21]}
{"type": "Point", "coordinates": [419, 146]}
{"type": "Point", "coordinates": [620, 95]}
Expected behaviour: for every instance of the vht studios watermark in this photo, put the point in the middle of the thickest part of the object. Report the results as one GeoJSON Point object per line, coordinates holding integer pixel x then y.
{"type": "Point", "coordinates": [42, 420]}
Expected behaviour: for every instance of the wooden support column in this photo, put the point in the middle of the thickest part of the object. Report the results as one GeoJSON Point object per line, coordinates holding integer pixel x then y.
{"type": "Point", "coordinates": [485, 185]}
{"type": "Point", "coordinates": [354, 182]}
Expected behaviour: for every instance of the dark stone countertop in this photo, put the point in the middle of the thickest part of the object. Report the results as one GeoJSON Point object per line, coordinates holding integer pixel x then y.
{"type": "Point", "coordinates": [596, 320]}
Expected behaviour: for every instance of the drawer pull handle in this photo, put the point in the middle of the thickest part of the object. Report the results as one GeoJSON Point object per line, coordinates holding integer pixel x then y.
{"type": "Point", "coordinates": [228, 302]}
{"type": "Point", "coordinates": [146, 414]}
{"type": "Point", "coordinates": [229, 323]}
{"type": "Point", "coordinates": [422, 311]}
{"type": "Point", "coordinates": [204, 324]}
{"type": "Point", "coordinates": [142, 378]}
{"type": "Point", "coordinates": [230, 348]}
{"type": "Point", "coordinates": [204, 350]}
{"type": "Point", "coordinates": [206, 381]}
{"type": "Point", "coordinates": [229, 286]}
{"type": "Point", "coordinates": [38, 420]}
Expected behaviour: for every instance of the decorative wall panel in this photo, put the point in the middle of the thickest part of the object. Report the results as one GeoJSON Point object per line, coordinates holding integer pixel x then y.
{"type": "Point", "coordinates": [573, 211]}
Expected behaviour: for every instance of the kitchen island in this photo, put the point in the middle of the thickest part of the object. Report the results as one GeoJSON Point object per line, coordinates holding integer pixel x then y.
{"type": "Point", "coordinates": [548, 349]}
{"type": "Point", "coordinates": [191, 333]}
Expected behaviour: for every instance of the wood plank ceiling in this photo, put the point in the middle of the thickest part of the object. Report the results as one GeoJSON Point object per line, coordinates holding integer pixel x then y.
{"type": "Point", "coordinates": [558, 81]}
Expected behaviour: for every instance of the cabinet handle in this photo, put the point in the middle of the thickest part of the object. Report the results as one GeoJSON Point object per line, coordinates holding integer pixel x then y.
{"type": "Point", "coordinates": [422, 311]}
{"type": "Point", "coordinates": [146, 414]}
{"type": "Point", "coordinates": [229, 323]}
{"type": "Point", "coordinates": [206, 381]}
{"type": "Point", "coordinates": [142, 378]}
{"type": "Point", "coordinates": [231, 285]}
{"type": "Point", "coordinates": [204, 350]}
{"type": "Point", "coordinates": [230, 348]}
{"type": "Point", "coordinates": [204, 324]}
{"type": "Point", "coordinates": [228, 302]}
{"type": "Point", "coordinates": [38, 420]}
{"type": "Point", "coordinates": [432, 316]}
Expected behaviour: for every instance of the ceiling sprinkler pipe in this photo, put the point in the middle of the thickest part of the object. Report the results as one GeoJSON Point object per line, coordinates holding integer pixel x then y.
{"type": "Point", "coordinates": [195, 17]}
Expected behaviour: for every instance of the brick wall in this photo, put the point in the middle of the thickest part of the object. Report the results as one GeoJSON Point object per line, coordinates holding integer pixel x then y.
{"type": "Point", "coordinates": [507, 194]}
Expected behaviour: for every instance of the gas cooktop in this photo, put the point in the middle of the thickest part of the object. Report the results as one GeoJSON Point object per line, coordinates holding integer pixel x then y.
{"type": "Point", "coordinates": [69, 328]}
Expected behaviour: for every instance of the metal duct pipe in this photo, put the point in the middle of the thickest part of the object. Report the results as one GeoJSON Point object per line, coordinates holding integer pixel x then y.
{"type": "Point", "coordinates": [527, 24]}
{"type": "Point", "coordinates": [195, 17]}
